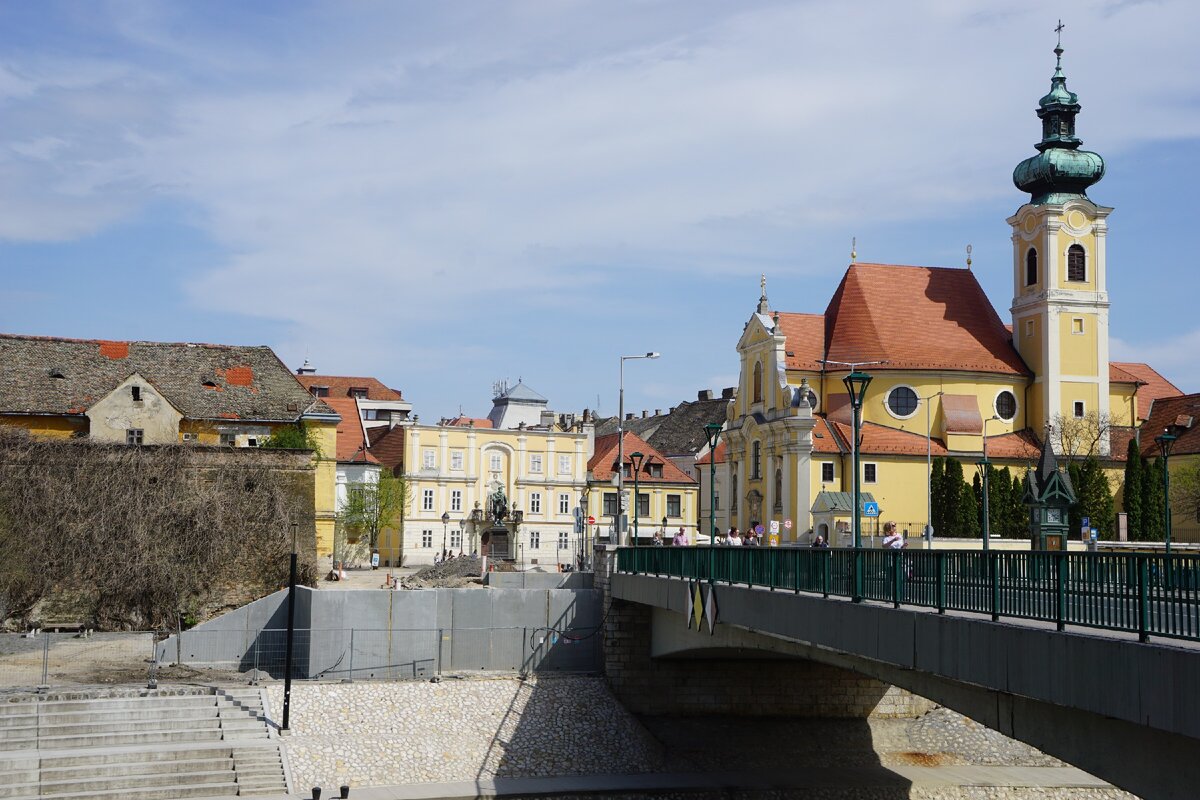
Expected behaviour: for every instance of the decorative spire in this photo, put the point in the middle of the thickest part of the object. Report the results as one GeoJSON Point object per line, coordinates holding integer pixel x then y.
{"type": "Point", "coordinates": [763, 306]}
{"type": "Point", "coordinates": [853, 248]}
{"type": "Point", "coordinates": [1060, 171]}
{"type": "Point", "coordinates": [968, 256]}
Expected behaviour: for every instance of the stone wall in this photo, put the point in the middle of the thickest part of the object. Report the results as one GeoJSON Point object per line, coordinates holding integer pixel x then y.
{"type": "Point", "coordinates": [748, 684]}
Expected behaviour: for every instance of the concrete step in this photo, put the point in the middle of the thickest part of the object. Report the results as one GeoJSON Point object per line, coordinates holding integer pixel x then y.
{"type": "Point", "coordinates": [127, 714]}
{"type": "Point", "coordinates": [112, 703]}
{"type": "Point", "coordinates": [100, 759]}
{"type": "Point", "coordinates": [127, 739]}
{"type": "Point", "coordinates": [139, 767]}
{"type": "Point", "coordinates": [110, 782]}
{"type": "Point", "coordinates": [137, 726]}
{"type": "Point", "coordinates": [17, 720]}
{"type": "Point", "coordinates": [149, 793]}
{"type": "Point", "coordinates": [9, 734]}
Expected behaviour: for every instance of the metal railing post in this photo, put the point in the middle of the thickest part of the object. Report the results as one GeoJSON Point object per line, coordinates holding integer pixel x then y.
{"type": "Point", "coordinates": [940, 563]}
{"type": "Point", "coordinates": [826, 570]}
{"type": "Point", "coordinates": [351, 655]}
{"type": "Point", "coordinates": [1143, 585]}
{"type": "Point", "coordinates": [895, 578]}
{"type": "Point", "coordinates": [993, 566]}
{"type": "Point", "coordinates": [1060, 610]}
{"type": "Point", "coordinates": [257, 642]}
{"type": "Point", "coordinates": [858, 575]}
{"type": "Point", "coordinates": [45, 661]}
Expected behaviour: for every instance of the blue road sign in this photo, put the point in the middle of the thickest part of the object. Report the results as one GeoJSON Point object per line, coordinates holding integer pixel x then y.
{"type": "Point", "coordinates": [1086, 522]}
{"type": "Point", "coordinates": [870, 509]}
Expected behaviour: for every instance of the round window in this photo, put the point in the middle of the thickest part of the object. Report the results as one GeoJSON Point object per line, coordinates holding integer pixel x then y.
{"type": "Point", "coordinates": [1006, 405]}
{"type": "Point", "coordinates": [902, 401]}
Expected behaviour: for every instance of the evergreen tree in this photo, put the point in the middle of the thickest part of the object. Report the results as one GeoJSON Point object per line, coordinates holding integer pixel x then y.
{"type": "Point", "coordinates": [1021, 529]}
{"type": "Point", "coordinates": [953, 489]}
{"type": "Point", "coordinates": [1131, 499]}
{"type": "Point", "coordinates": [1095, 500]}
{"type": "Point", "coordinates": [968, 506]}
{"type": "Point", "coordinates": [977, 494]}
{"type": "Point", "coordinates": [937, 488]}
{"type": "Point", "coordinates": [1152, 502]}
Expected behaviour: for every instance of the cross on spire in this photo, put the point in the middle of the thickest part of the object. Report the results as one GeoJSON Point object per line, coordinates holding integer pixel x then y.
{"type": "Point", "coordinates": [1059, 30]}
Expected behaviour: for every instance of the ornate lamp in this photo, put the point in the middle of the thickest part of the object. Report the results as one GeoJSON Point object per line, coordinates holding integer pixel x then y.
{"type": "Point", "coordinates": [635, 463]}
{"type": "Point", "coordinates": [712, 432]}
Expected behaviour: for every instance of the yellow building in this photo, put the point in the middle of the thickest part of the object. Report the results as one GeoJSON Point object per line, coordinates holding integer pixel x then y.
{"type": "Point", "coordinates": [949, 378]}
{"type": "Point", "coordinates": [153, 393]}
{"type": "Point", "coordinates": [667, 498]}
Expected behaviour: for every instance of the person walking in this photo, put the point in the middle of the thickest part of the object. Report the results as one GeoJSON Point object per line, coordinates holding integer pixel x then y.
{"type": "Point", "coordinates": [891, 538]}
{"type": "Point", "coordinates": [735, 538]}
{"type": "Point", "coordinates": [681, 538]}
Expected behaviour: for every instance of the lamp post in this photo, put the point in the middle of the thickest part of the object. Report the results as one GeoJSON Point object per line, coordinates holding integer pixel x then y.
{"type": "Point", "coordinates": [635, 463]}
{"type": "Point", "coordinates": [712, 432]}
{"type": "Point", "coordinates": [291, 633]}
{"type": "Point", "coordinates": [985, 468]}
{"type": "Point", "coordinates": [445, 528]}
{"type": "Point", "coordinates": [1165, 441]}
{"type": "Point", "coordinates": [856, 384]}
{"type": "Point", "coordinates": [621, 436]}
{"type": "Point", "coordinates": [929, 469]}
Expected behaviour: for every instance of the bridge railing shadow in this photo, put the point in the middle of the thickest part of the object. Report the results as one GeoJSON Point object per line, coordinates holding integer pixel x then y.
{"type": "Point", "coordinates": [1144, 593]}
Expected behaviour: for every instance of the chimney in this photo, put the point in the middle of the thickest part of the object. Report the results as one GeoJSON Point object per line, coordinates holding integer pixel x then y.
{"type": "Point", "coordinates": [704, 394]}
{"type": "Point", "coordinates": [728, 393]}
{"type": "Point", "coordinates": [628, 416]}
{"type": "Point", "coordinates": [547, 418]}
{"type": "Point", "coordinates": [645, 413]}
{"type": "Point", "coordinates": [587, 415]}
{"type": "Point", "coordinates": [658, 412]}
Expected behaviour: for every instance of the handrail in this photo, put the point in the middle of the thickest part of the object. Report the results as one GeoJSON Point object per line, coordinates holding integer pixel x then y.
{"type": "Point", "coordinates": [1149, 594]}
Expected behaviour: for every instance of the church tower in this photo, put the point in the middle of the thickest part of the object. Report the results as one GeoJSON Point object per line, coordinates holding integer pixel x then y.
{"type": "Point", "coordinates": [1060, 298]}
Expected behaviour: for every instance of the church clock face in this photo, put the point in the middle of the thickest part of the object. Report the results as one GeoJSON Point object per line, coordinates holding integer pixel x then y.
{"type": "Point", "coordinates": [1054, 516]}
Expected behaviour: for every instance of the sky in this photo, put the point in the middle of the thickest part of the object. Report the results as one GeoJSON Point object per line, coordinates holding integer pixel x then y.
{"type": "Point", "coordinates": [444, 195]}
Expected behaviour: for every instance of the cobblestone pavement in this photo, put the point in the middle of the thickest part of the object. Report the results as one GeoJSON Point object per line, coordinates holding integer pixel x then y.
{"type": "Point", "coordinates": [381, 734]}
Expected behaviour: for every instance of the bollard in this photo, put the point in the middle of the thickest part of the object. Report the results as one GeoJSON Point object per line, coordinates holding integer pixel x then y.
{"type": "Point", "coordinates": [316, 793]}
{"type": "Point", "coordinates": [344, 791]}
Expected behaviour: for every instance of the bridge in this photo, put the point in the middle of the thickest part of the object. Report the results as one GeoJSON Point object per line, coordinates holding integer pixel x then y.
{"type": "Point", "coordinates": [1093, 658]}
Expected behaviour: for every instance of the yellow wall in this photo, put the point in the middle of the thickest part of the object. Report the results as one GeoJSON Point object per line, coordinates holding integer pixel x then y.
{"type": "Point", "coordinates": [325, 490]}
{"type": "Point", "coordinates": [1122, 404]}
{"type": "Point", "coordinates": [1087, 392]}
{"type": "Point", "coordinates": [1030, 346]}
{"type": "Point", "coordinates": [1078, 350]}
{"type": "Point", "coordinates": [50, 427]}
{"type": "Point", "coordinates": [1088, 242]}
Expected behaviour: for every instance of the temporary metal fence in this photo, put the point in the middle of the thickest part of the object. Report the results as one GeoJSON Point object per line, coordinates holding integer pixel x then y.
{"type": "Point", "coordinates": [381, 654]}
{"type": "Point", "coordinates": [42, 659]}
{"type": "Point", "coordinates": [1143, 593]}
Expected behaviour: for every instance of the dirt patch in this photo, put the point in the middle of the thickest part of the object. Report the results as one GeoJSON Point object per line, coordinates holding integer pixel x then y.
{"type": "Point", "coordinates": [454, 573]}
{"type": "Point", "coordinates": [921, 759]}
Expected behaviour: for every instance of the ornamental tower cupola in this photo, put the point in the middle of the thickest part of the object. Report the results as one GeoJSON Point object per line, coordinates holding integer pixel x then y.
{"type": "Point", "coordinates": [1060, 296]}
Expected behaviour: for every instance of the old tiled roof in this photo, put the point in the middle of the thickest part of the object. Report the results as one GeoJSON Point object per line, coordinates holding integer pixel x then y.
{"type": "Point", "coordinates": [1173, 411]}
{"type": "Point", "coordinates": [680, 432]}
{"type": "Point", "coordinates": [882, 440]}
{"type": "Point", "coordinates": [962, 413]}
{"type": "Point", "coordinates": [1154, 386]}
{"type": "Point", "coordinates": [909, 317]}
{"type": "Point", "coordinates": [719, 455]}
{"type": "Point", "coordinates": [1018, 444]}
{"type": "Point", "coordinates": [351, 440]}
{"type": "Point", "coordinates": [203, 381]}
{"type": "Point", "coordinates": [642, 426]}
{"type": "Point", "coordinates": [387, 445]}
{"type": "Point", "coordinates": [826, 440]}
{"type": "Point", "coordinates": [340, 386]}
{"type": "Point", "coordinates": [601, 464]}
{"type": "Point", "coordinates": [469, 422]}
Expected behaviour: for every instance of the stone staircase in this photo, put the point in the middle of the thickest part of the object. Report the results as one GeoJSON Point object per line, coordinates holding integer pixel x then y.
{"type": "Point", "coordinates": [137, 745]}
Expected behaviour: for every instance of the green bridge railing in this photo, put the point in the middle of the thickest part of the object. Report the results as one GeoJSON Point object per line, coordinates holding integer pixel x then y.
{"type": "Point", "coordinates": [1143, 593]}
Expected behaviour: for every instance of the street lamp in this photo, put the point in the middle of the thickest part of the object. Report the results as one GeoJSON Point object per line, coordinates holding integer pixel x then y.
{"type": "Point", "coordinates": [445, 527]}
{"type": "Point", "coordinates": [712, 432]}
{"type": "Point", "coordinates": [635, 462]}
{"type": "Point", "coordinates": [291, 634]}
{"type": "Point", "coordinates": [856, 384]}
{"type": "Point", "coordinates": [621, 435]}
{"type": "Point", "coordinates": [984, 468]}
{"type": "Point", "coordinates": [1165, 441]}
{"type": "Point", "coordinates": [929, 469]}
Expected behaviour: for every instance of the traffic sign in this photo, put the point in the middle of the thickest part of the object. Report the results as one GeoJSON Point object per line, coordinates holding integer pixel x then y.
{"type": "Point", "coordinates": [774, 526]}
{"type": "Point", "coordinates": [1086, 522]}
{"type": "Point", "coordinates": [758, 529]}
{"type": "Point", "coordinates": [871, 509]}
{"type": "Point", "coordinates": [591, 520]}
{"type": "Point", "coordinates": [787, 523]}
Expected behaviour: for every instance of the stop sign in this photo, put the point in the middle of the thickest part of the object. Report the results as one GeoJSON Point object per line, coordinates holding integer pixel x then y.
{"type": "Point", "coordinates": [591, 520]}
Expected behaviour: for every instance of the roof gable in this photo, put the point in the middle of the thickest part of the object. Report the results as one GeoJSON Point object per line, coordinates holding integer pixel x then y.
{"type": "Point", "coordinates": [341, 386]}
{"type": "Point", "coordinates": [605, 457]}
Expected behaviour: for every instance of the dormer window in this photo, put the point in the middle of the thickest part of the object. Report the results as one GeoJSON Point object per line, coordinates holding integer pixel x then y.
{"type": "Point", "coordinates": [319, 391]}
{"type": "Point", "coordinates": [136, 391]}
{"type": "Point", "coordinates": [358, 393]}
{"type": "Point", "coordinates": [655, 470]}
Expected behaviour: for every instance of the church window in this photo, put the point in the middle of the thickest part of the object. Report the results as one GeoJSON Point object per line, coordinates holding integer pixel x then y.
{"type": "Point", "coordinates": [870, 473]}
{"type": "Point", "coordinates": [756, 461]}
{"type": "Point", "coordinates": [779, 490]}
{"type": "Point", "coordinates": [826, 472]}
{"type": "Point", "coordinates": [1031, 276]}
{"type": "Point", "coordinates": [902, 402]}
{"type": "Point", "coordinates": [758, 382]}
{"type": "Point", "coordinates": [1076, 263]}
{"type": "Point", "coordinates": [1006, 405]}
{"type": "Point", "coordinates": [1079, 410]}
{"type": "Point", "coordinates": [1077, 325]}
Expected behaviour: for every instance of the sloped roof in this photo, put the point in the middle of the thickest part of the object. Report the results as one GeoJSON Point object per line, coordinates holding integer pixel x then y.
{"type": "Point", "coordinates": [680, 432]}
{"type": "Point", "coordinates": [601, 463]}
{"type": "Point", "coordinates": [719, 455]}
{"type": "Point", "coordinates": [340, 386]}
{"type": "Point", "coordinates": [387, 446]}
{"type": "Point", "coordinates": [351, 440]}
{"type": "Point", "coordinates": [203, 381]}
{"type": "Point", "coordinates": [911, 318]}
{"type": "Point", "coordinates": [826, 440]}
{"type": "Point", "coordinates": [1173, 411]}
{"type": "Point", "coordinates": [1155, 385]}
{"type": "Point", "coordinates": [521, 394]}
{"type": "Point", "coordinates": [882, 440]}
{"type": "Point", "coordinates": [469, 422]}
{"type": "Point", "coordinates": [838, 502]}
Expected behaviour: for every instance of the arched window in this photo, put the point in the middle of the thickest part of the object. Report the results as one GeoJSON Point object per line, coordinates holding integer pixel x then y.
{"type": "Point", "coordinates": [733, 491]}
{"type": "Point", "coordinates": [1076, 263]}
{"type": "Point", "coordinates": [1031, 267]}
{"type": "Point", "coordinates": [758, 382]}
{"type": "Point", "coordinates": [756, 462]}
{"type": "Point", "coordinates": [779, 490]}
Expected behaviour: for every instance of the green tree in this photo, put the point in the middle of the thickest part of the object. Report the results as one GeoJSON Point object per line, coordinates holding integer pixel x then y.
{"type": "Point", "coordinates": [977, 496]}
{"type": "Point", "coordinates": [294, 437]}
{"type": "Point", "coordinates": [372, 507]}
{"type": "Point", "coordinates": [1020, 512]}
{"type": "Point", "coordinates": [967, 513]}
{"type": "Point", "coordinates": [1093, 497]}
{"type": "Point", "coordinates": [1131, 499]}
{"type": "Point", "coordinates": [953, 489]}
{"type": "Point", "coordinates": [1153, 526]}
{"type": "Point", "coordinates": [1185, 492]}
{"type": "Point", "coordinates": [937, 488]}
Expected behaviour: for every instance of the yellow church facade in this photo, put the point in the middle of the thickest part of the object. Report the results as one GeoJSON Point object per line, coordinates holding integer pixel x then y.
{"type": "Point", "coordinates": [949, 378]}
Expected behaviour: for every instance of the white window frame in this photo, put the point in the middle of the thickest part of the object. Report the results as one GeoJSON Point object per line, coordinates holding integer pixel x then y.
{"type": "Point", "coordinates": [887, 406]}
{"type": "Point", "coordinates": [678, 498]}
{"type": "Point", "coordinates": [456, 496]}
{"type": "Point", "coordinates": [875, 466]}
{"type": "Point", "coordinates": [564, 464]}
{"type": "Point", "coordinates": [456, 460]}
{"type": "Point", "coordinates": [1079, 409]}
{"type": "Point", "coordinates": [535, 540]}
{"type": "Point", "coordinates": [427, 499]}
{"type": "Point", "coordinates": [832, 472]}
{"type": "Point", "coordinates": [1082, 326]}
{"type": "Point", "coordinates": [496, 462]}
{"type": "Point", "coordinates": [426, 539]}
{"type": "Point", "coordinates": [456, 539]}
{"type": "Point", "coordinates": [1016, 405]}
{"type": "Point", "coordinates": [535, 502]}
{"type": "Point", "coordinates": [564, 541]}
{"type": "Point", "coordinates": [429, 458]}
{"type": "Point", "coordinates": [1029, 329]}
{"type": "Point", "coordinates": [135, 437]}
{"type": "Point", "coordinates": [564, 503]}
{"type": "Point", "coordinates": [535, 463]}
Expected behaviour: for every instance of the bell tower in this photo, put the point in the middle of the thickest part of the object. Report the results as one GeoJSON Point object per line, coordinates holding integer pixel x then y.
{"type": "Point", "coordinates": [1060, 296]}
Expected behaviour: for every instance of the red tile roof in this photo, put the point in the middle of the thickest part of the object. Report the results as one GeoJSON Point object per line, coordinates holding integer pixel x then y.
{"type": "Point", "coordinates": [340, 386]}
{"type": "Point", "coordinates": [1167, 411]}
{"type": "Point", "coordinates": [1018, 444]}
{"type": "Point", "coordinates": [387, 445]}
{"type": "Point", "coordinates": [601, 464]}
{"type": "Point", "coordinates": [882, 440]}
{"type": "Point", "coordinates": [826, 440]}
{"type": "Point", "coordinates": [1155, 385]}
{"type": "Point", "coordinates": [719, 455]}
{"type": "Point", "coordinates": [910, 317]}
{"type": "Point", "coordinates": [351, 442]}
{"type": "Point", "coordinates": [469, 422]}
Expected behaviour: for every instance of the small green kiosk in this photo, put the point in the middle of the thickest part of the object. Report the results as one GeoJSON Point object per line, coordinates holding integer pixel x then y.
{"type": "Point", "coordinates": [1049, 495]}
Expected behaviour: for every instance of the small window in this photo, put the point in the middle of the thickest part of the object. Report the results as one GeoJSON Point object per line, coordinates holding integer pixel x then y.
{"type": "Point", "coordinates": [1077, 325]}
{"type": "Point", "coordinates": [456, 539]}
{"type": "Point", "coordinates": [495, 462]}
{"type": "Point", "coordinates": [870, 473]}
{"type": "Point", "coordinates": [1029, 329]}
{"type": "Point", "coordinates": [610, 504]}
{"type": "Point", "coordinates": [429, 459]}
{"type": "Point", "coordinates": [136, 391]}
{"type": "Point", "coordinates": [1006, 405]}
{"type": "Point", "coordinates": [535, 540]}
{"type": "Point", "coordinates": [643, 509]}
{"type": "Point", "coordinates": [1031, 268]}
{"type": "Point", "coordinates": [318, 391]}
{"type": "Point", "coordinates": [1079, 409]}
{"type": "Point", "coordinates": [358, 393]}
{"type": "Point", "coordinates": [427, 500]}
{"type": "Point", "coordinates": [535, 503]}
{"type": "Point", "coordinates": [564, 541]}
{"type": "Point", "coordinates": [655, 470]}
{"type": "Point", "coordinates": [758, 381]}
{"type": "Point", "coordinates": [564, 465]}
{"type": "Point", "coordinates": [190, 437]}
{"type": "Point", "coordinates": [535, 463]}
{"type": "Point", "coordinates": [564, 504]}
{"type": "Point", "coordinates": [1076, 263]}
{"type": "Point", "coordinates": [426, 539]}
{"type": "Point", "coordinates": [674, 505]}
{"type": "Point", "coordinates": [251, 441]}
{"type": "Point", "coordinates": [902, 402]}
{"type": "Point", "coordinates": [456, 459]}
{"type": "Point", "coordinates": [133, 436]}
{"type": "Point", "coordinates": [456, 499]}
{"type": "Point", "coordinates": [229, 440]}
{"type": "Point", "coordinates": [756, 461]}
{"type": "Point", "coordinates": [826, 472]}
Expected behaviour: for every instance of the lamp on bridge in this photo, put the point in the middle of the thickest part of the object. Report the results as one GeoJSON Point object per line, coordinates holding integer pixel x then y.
{"type": "Point", "coordinates": [856, 384]}
{"type": "Point", "coordinates": [1166, 441]}
{"type": "Point", "coordinates": [985, 469]}
{"type": "Point", "coordinates": [712, 432]}
{"type": "Point", "coordinates": [635, 463]}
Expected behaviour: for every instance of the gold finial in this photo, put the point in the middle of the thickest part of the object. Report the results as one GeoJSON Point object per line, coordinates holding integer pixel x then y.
{"type": "Point", "coordinates": [968, 256]}
{"type": "Point", "coordinates": [853, 248]}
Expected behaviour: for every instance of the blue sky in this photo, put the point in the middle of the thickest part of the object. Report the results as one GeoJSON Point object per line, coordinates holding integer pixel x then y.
{"type": "Point", "coordinates": [447, 194]}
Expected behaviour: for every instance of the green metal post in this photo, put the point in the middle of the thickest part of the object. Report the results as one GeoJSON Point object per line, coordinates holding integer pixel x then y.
{"type": "Point", "coordinates": [1143, 565]}
{"type": "Point", "coordinates": [858, 565]}
{"type": "Point", "coordinates": [940, 556]}
{"type": "Point", "coordinates": [1060, 611]}
{"type": "Point", "coordinates": [993, 567]}
{"type": "Point", "coordinates": [895, 578]}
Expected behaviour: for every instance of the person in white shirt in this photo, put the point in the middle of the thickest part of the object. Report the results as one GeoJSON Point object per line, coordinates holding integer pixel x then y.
{"type": "Point", "coordinates": [891, 538]}
{"type": "Point", "coordinates": [735, 538]}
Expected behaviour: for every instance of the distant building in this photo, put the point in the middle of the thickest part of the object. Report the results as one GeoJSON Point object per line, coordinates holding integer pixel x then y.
{"type": "Point", "coordinates": [666, 497]}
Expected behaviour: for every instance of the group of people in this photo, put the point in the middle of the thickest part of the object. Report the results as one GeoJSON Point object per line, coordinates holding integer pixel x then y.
{"type": "Point", "coordinates": [448, 555]}
{"type": "Point", "coordinates": [679, 540]}
{"type": "Point", "coordinates": [734, 538]}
